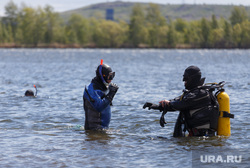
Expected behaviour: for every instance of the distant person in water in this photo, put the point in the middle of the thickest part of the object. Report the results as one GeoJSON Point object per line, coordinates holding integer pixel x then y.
{"type": "Point", "coordinates": [30, 92]}
{"type": "Point", "coordinates": [98, 97]}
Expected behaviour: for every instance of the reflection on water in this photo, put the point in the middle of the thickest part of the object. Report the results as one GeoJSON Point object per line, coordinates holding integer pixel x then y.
{"type": "Point", "coordinates": [47, 130]}
{"type": "Point", "coordinates": [100, 136]}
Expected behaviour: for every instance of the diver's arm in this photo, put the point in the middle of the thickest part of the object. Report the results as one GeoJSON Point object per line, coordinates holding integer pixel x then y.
{"type": "Point", "coordinates": [98, 99]}
{"type": "Point", "coordinates": [183, 103]}
{"type": "Point", "coordinates": [100, 103]}
{"type": "Point", "coordinates": [153, 106]}
{"type": "Point", "coordinates": [168, 103]}
{"type": "Point", "coordinates": [178, 105]}
{"type": "Point", "coordinates": [113, 88]}
{"type": "Point", "coordinates": [189, 100]}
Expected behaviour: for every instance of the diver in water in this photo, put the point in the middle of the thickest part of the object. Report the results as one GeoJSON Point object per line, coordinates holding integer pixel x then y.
{"type": "Point", "coordinates": [98, 97]}
{"type": "Point", "coordinates": [30, 92]}
{"type": "Point", "coordinates": [197, 115]}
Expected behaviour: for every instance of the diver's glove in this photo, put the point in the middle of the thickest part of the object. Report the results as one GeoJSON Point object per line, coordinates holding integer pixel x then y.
{"type": "Point", "coordinates": [153, 106]}
{"type": "Point", "coordinates": [112, 91]}
{"type": "Point", "coordinates": [162, 119]}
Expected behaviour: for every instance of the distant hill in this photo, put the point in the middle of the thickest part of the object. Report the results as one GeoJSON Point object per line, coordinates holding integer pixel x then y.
{"type": "Point", "coordinates": [122, 10]}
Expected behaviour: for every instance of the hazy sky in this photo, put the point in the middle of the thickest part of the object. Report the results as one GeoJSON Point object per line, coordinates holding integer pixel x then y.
{"type": "Point", "coordinates": [64, 5]}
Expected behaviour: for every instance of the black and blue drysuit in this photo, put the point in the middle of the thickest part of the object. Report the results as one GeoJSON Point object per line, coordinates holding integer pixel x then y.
{"type": "Point", "coordinates": [97, 99]}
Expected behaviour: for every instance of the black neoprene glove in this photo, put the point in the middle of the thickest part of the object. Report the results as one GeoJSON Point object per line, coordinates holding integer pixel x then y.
{"type": "Point", "coordinates": [162, 119]}
{"type": "Point", "coordinates": [153, 106]}
{"type": "Point", "coordinates": [112, 91]}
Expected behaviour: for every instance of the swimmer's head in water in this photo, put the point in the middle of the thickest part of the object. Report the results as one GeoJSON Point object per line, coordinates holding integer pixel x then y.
{"type": "Point", "coordinates": [29, 93]}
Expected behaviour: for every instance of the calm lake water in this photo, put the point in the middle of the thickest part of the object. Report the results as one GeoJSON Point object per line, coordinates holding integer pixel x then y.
{"type": "Point", "coordinates": [47, 131]}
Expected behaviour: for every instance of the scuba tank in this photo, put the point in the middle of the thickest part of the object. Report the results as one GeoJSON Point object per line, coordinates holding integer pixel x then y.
{"type": "Point", "coordinates": [224, 127]}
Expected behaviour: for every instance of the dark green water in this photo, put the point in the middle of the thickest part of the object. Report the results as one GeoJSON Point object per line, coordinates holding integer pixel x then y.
{"type": "Point", "coordinates": [46, 131]}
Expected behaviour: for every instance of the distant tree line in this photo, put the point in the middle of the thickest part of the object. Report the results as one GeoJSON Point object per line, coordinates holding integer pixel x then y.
{"type": "Point", "coordinates": [42, 27]}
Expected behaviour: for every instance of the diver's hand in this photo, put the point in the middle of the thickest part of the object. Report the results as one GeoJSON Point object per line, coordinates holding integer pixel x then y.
{"type": "Point", "coordinates": [152, 106]}
{"type": "Point", "coordinates": [162, 121]}
{"type": "Point", "coordinates": [164, 102]}
{"type": "Point", "coordinates": [164, 106]}
{"type": "Point", "coordinates": [112, 91]}
{"type": "Point", "coordinates": [147, 104]}
{"type": "Point", "coordinates": [113, 87]}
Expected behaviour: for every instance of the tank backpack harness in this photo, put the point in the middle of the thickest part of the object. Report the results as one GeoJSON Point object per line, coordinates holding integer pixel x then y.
{"type": "Point", "coordinates": [221, 108]}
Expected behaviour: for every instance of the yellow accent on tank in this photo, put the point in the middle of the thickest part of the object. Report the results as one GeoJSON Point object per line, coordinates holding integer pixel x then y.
{"type": "Point", "coordinates": [224, 127]}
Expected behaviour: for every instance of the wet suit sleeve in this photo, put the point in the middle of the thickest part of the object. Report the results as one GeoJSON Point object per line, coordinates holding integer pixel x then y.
{"type": "Point", "coordinates": [96, 97]}
{"type": "Point", "coordinates": [179, 105]}
{"type": "Point", "coordinates": [101, 102]}
{"type": "Point", "coordinates": [173, 104]}
{"type": "Point", "coordinates": [187, 101]}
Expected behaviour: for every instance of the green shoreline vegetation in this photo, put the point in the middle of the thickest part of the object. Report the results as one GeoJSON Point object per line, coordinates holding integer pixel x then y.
{"type": "Point", "coordinates": [28, 27]}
